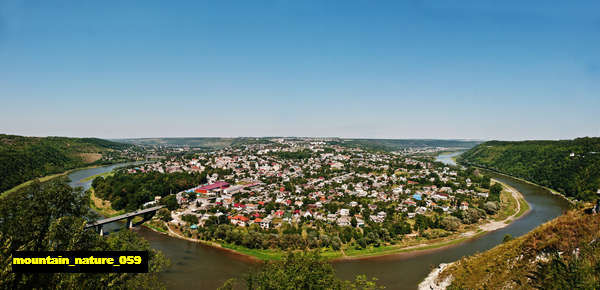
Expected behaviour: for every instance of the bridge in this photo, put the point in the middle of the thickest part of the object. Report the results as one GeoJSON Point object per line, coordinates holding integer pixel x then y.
{"type": "Point", "coordinates": [128, 216]}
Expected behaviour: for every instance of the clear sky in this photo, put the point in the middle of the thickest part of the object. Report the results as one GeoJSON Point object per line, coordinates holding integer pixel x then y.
{"type": "Point", "coordinates": [375, 69]}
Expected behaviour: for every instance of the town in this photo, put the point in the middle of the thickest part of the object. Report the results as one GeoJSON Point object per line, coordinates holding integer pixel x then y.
{"type": "Point", "coordinates": [302, 185]}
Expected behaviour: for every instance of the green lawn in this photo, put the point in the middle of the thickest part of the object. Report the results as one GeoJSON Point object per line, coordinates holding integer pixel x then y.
{"type": "Point", "coordinates": [394, 249]}
{"type": "Point", "coordinates": [264, 255]}
{"type": "Point", "coordinates": [524, 207]}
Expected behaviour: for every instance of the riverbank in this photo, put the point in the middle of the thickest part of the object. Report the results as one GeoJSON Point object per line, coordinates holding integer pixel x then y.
{"type": "Point", "coordinates": [90, 178]}
{"type": "Point", "coordinates": [430, 283]}
{"type": "Point", "coordinates": [522, 207]}
{"type": "Point", "coordinates": [103, 207]}
{"type": "Point", "coordinates": [49, 177]}
{"type": "Point", "coordinates": [572, 201]}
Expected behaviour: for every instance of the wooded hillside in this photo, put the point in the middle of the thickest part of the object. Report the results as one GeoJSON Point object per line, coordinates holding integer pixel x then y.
{"type": "Point", "coordinates": [26, 158]}
{"type": "Point", "coordinates": [571, 167]}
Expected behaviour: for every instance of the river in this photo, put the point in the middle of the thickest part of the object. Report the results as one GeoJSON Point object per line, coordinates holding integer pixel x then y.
{"type": "Point", "coordinates": [448, 157]}
{"type": "Point", "coordinates": [197, 266]}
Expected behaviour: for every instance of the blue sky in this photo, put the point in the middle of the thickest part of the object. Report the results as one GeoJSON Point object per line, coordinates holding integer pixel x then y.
{"type": "Point", "coordinates": [374, 69]}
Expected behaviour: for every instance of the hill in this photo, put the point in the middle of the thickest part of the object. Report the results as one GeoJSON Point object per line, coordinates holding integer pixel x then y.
{"type": "Point", "coordinates": [25, 158]}
{"type": "Point", "coordinates": [397, 144]}
{"type": "Point", "coordinates": [571, 167]}
{"type": "Point", "coordinates": [376, 144]}
{"type": "Point", "coordinates": [199, 142]}
{"type": "Point", "coordinates": [561, 254]}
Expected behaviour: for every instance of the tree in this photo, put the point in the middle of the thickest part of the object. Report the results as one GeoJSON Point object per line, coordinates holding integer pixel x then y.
{"type": "Point", "coordinates": [305, 270]}
{"type": "Point", "coordinates": [190, 219]}
{"type": "Point", "coordinates": [49, 217]}
{"type": "Point", "coordinates": [471, 216]}
{"type": "Point", "coordinates": [450, 223]}
{"type": "Point", "coordinates": [495, 192]}
{"type": "Point", "coordinates": [353, 222]}
{"type": "Point", "coordinates": [490, 207]}
{"type": "Point", "coordinates": [422, 222]}
{"type": "Point", "coordinates": [164, 215]}
{"type": "Point", "coordinates": [170, 201]}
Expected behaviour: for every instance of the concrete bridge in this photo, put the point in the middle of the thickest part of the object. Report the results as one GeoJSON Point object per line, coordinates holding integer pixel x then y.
{"type": "Point", "coordinates": [128, 216]}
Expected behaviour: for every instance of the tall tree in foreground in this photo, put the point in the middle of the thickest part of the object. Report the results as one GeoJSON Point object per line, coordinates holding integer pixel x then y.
{"type": "Point", "coordinates": [50, 217]}
{"type": "Point", "coordinates": [304, 270]}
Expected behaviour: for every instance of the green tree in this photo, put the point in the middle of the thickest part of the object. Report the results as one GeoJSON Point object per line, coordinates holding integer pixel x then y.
{"type": "Point", "coordinates": [164, 215]}
{"type": "Point", "coordinates": [306, 270]}
{"type": "Point", "coordinates": [495, 192]}
{"type": "Point", "coordinates": [170, 201]}
{"type": "Point", "coordinates": [49, 217]}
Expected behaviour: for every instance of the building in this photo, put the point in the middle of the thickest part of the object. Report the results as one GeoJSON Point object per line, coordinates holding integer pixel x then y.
{"type": "Point", "coordinates": [213, 186]}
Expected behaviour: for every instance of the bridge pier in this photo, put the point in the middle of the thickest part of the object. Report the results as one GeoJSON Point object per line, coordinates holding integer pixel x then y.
{"type": "Point", "coordinates": [130, 222]}
{"type": "Point", "coordinates": [100, 230]}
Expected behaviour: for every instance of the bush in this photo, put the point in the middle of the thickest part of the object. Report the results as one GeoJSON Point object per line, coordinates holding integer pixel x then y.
{"type": "Point", "coordinates": [435, 233]}
{"type": "Point", "coordinates": [164, 215]}
{"type": "Point", "coordinates": [450, 223]}
{"type": "Point", "coordinates": [471, 216]}
{"type": "Point", "coordinates": [491, 207]}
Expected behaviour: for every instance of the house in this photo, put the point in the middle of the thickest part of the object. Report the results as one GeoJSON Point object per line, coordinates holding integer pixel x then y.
{"type": "Point", "coordinates": [331, 217]}
{"type": "Point", "coordinates": [343, 221]}
{"type": "Point", "coordinates": [239, 220]}
{"type": "Point", "coordinates": [464, 205]}
{"type": "Point", "coordinates": [265, 224]}
{"type": "Point", "coordinates": [360, 222]}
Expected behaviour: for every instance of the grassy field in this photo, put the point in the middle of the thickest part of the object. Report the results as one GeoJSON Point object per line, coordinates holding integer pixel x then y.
{"type": "Point", "coordinates": [509, 265]}
{"type": "Point", "coordinates": [265, 255]}
{"type": "Point", "coordinates": [509, 206]}
{"type": "Point", "coordinates": [524, 207]}
{"type": "Point", "coordinates": [103, 207]}
{"type": "Point", "coordinates": [151, 225]}
{"type": "Point", "coordinates": [395, 249]}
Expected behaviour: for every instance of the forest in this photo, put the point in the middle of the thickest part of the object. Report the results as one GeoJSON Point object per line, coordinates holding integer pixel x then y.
{"type": "Point", "coordinates": [571, 167]}
{"type": "Point", "coordinates": [131, 191]}
{"type": "Point", "coordinates": [27, 158]}
{"type": "Point", "coordinates": [51, 216]}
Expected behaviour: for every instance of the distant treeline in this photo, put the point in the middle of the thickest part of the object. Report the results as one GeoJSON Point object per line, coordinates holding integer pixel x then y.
{"type": "Point", "coordinates": [397, 144]}
{"type": "Point", "coordinates": [571, 167]}
{"type": "Point", "coordinates": [26, 158]}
